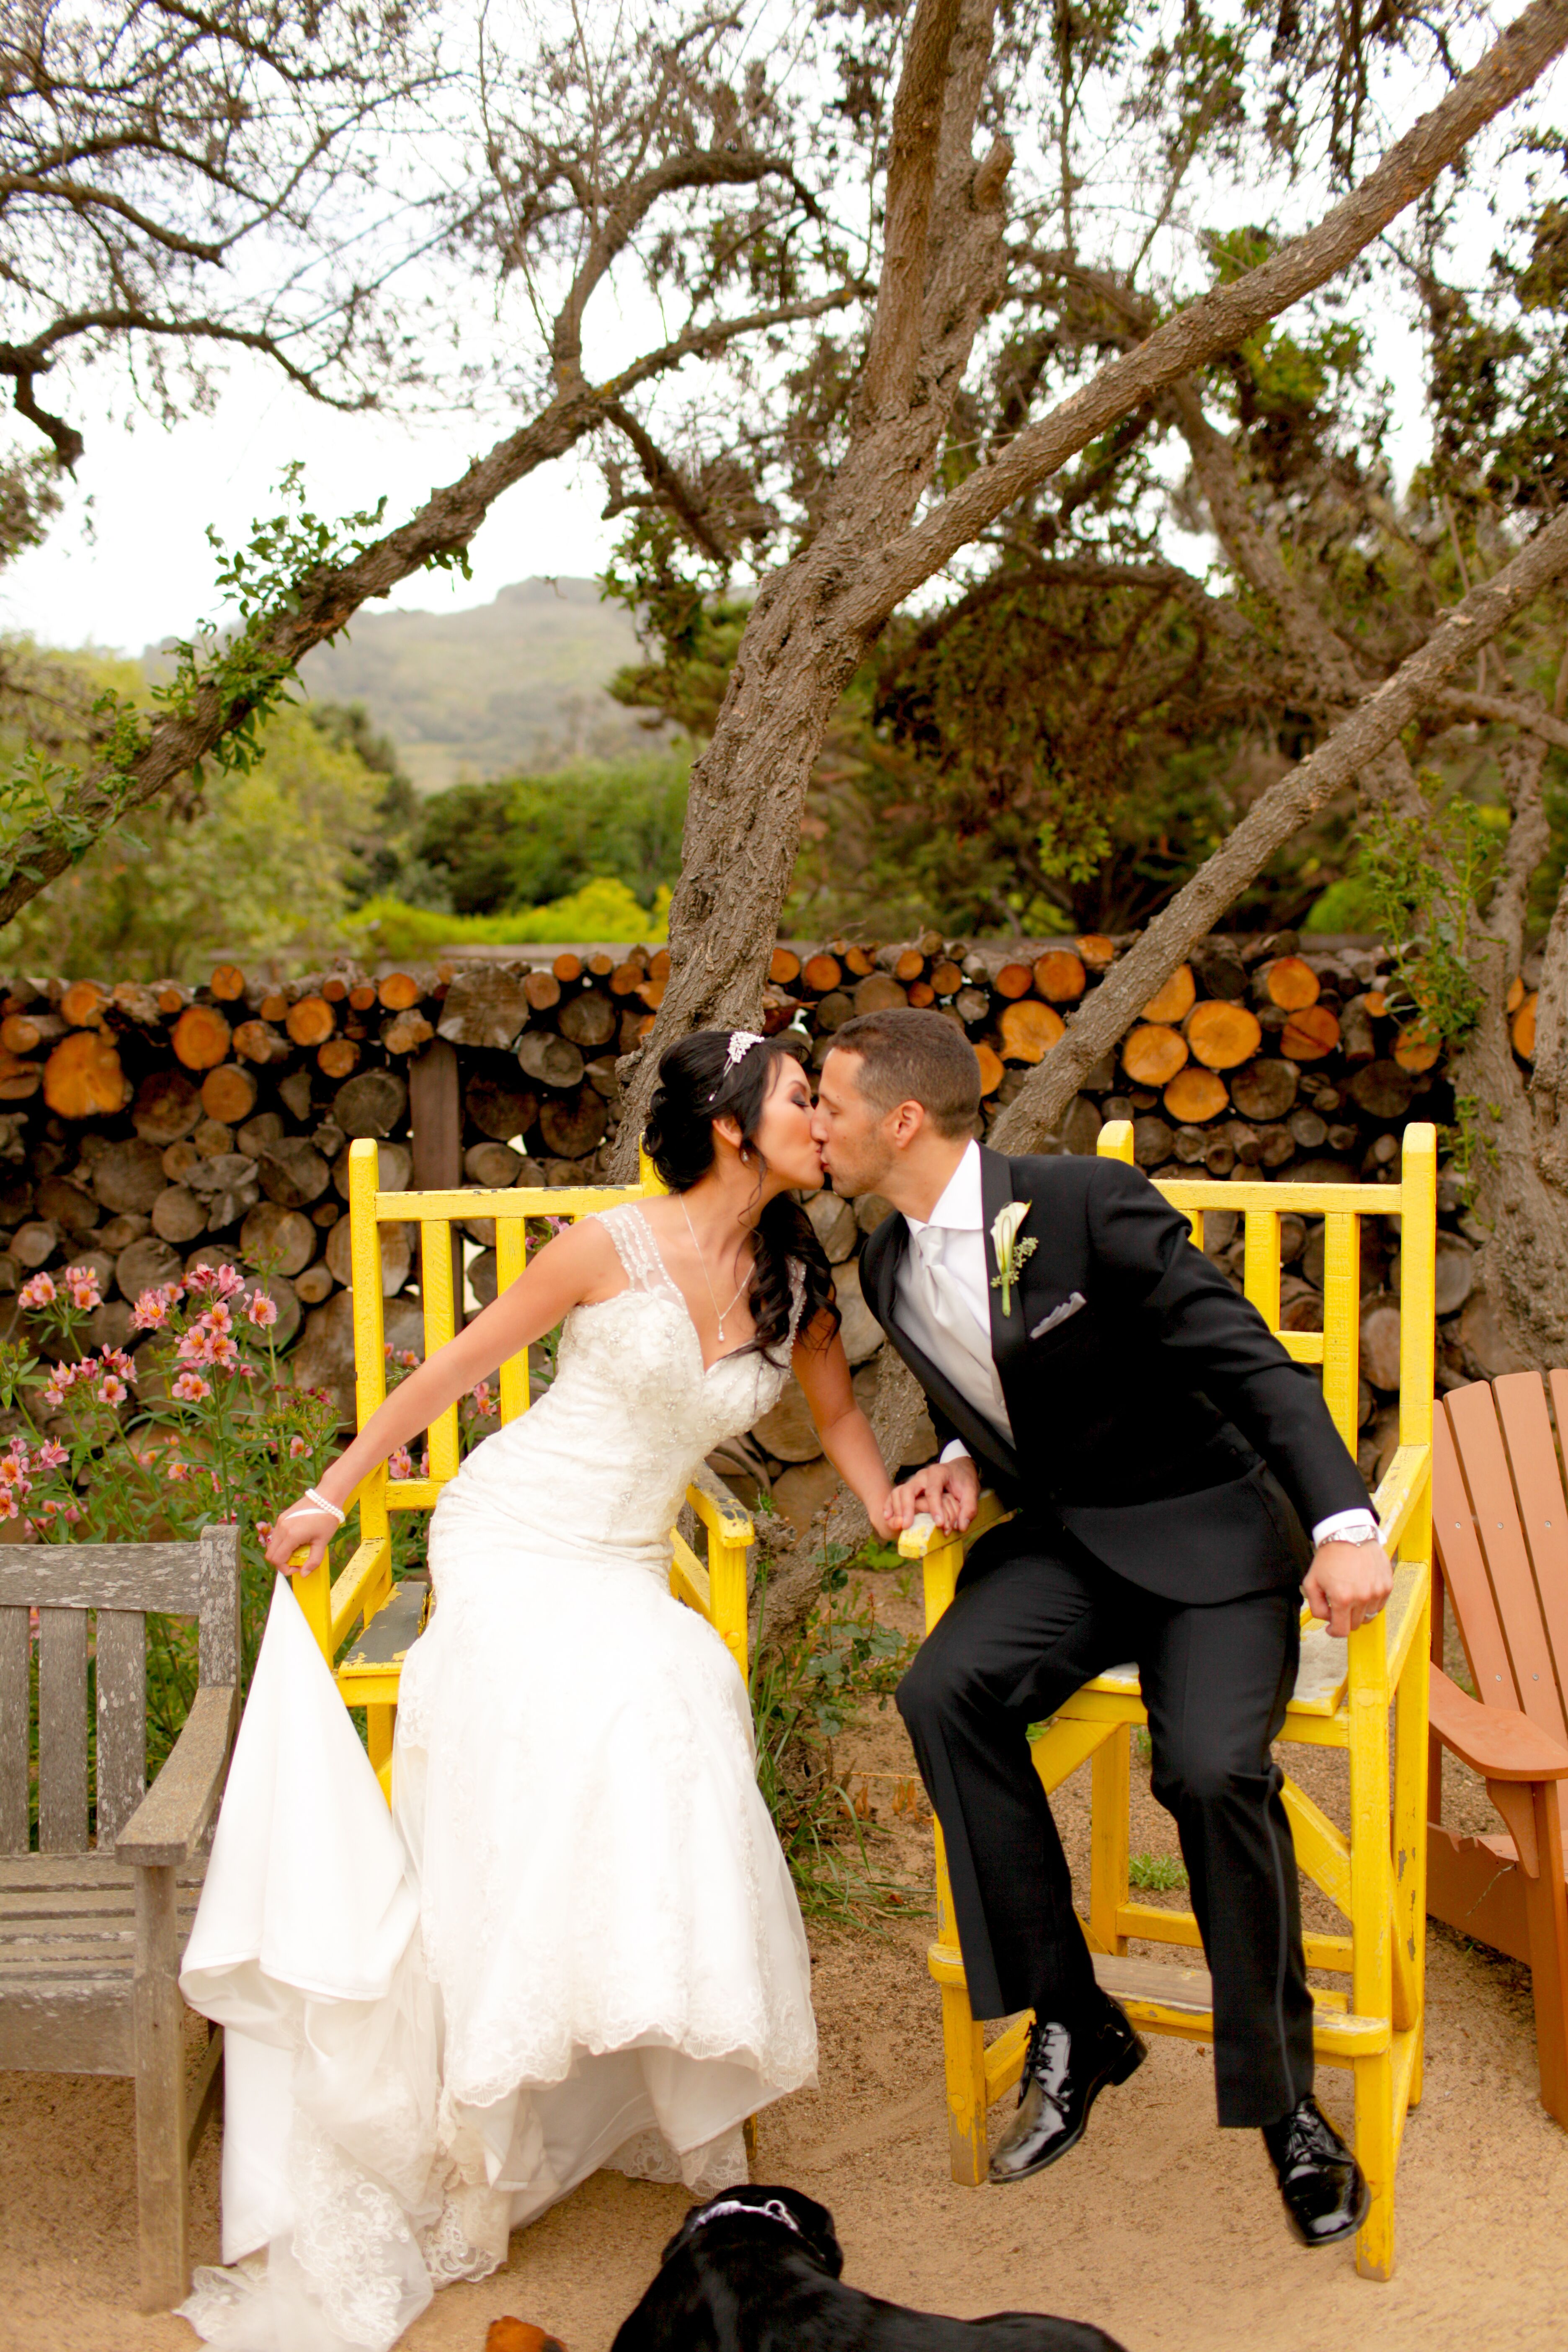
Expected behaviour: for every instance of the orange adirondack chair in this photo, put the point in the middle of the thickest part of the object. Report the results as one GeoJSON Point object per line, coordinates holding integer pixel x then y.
{"type": "Point", "coordinates": [1499, 1513]}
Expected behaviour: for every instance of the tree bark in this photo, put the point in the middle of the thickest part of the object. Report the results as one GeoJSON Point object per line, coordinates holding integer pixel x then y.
{"type": "Point", "coordinates": [815, 619]}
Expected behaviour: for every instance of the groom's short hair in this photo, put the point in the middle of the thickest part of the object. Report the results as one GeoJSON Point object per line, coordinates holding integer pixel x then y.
{"type": "Point", "coordinates": [907, 1056]}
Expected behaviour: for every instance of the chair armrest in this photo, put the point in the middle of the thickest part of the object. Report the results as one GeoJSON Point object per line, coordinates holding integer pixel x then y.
{"type": "Point", "coordinates": [918, 1538]}
{"type": "Point", "coordinates": [725, 1518]}
{"type": "Point", "coordinates": [168, 1823]}
{"type": "Point", "coordinates": [1496, 1741]}
{"type": "Point", "coordinates": [923, 1535]}
{"type": "Point", "coordinates": [1407, 1479]}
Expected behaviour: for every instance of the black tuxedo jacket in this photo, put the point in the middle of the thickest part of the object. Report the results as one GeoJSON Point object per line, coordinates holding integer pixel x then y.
{"type": "Point", "coordinates": [1159, 1422]}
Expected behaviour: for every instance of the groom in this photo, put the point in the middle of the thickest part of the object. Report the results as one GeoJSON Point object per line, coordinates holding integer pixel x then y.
{"type": "Point", "coordinates": [1164, 1456]}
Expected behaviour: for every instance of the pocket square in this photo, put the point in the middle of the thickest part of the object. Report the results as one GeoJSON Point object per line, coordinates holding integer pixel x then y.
{"type": "Point", "coordinates": [1058, 1315]}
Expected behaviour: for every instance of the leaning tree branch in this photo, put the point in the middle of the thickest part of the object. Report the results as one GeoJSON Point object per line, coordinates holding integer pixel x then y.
{"type": "Point", "coordinates": [1503, 710]}
{"type": "Point", "coordinates": [325, 602]}
{"type": "Point", "coordinates": [1218, 322]}
{"type": "Point", "coordinates": [1105, 1016]}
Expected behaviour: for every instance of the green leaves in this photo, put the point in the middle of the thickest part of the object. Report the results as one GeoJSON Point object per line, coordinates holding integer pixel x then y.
{"type": "Point", "coordinates": [1425, 876]}
{"type": "Point", "coordinates": [67, 808]}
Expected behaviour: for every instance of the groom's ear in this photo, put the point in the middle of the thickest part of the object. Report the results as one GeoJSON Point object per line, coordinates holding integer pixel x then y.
{"type": "Point", "coordinates": [905, 1123]}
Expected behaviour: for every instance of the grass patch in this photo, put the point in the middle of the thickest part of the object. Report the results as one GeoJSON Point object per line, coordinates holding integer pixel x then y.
{"type": "Point", "coordinates": [1156, 1873]}
{"type": "Point", "coordinates": [804, 1697]}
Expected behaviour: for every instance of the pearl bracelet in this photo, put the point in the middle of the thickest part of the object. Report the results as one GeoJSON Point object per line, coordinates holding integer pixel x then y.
{"type": "Point", "coordinates": [318, 1502]}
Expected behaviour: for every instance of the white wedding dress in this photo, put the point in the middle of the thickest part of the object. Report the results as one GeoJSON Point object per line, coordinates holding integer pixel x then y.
{"type": "Point", "coordinates": [573, 1943]}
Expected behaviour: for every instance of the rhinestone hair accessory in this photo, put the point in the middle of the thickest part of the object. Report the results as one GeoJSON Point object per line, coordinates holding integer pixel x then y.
{"type": "Point", "coordinates": [741, 1043]}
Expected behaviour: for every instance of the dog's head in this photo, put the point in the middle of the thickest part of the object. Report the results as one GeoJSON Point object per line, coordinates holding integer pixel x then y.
{"type": "Point", "coordinates": [794, 2216]}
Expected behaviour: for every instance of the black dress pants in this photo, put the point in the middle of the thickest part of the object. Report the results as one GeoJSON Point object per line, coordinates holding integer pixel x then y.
{"type": "Point", "coordinates": [1035, 1617]}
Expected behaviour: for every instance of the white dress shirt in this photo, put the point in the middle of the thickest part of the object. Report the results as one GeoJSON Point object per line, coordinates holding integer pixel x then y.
{"type": "Point", "coordinates": [944, 1303]}
{"type": "Point", "coordinates": [944, 1297]}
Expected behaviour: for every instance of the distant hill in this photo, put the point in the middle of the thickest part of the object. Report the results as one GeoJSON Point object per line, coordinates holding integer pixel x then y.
{"type": "Point", "coordinates": [516, 684]}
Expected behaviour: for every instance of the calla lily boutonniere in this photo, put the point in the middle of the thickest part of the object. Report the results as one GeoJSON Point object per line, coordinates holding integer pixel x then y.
{"type": "Point", "coordinates": [1011, 1251]}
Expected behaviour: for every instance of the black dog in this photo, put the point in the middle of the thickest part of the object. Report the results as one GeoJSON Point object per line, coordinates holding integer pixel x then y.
{"type": "Point", "coordinates": [757, 2270]}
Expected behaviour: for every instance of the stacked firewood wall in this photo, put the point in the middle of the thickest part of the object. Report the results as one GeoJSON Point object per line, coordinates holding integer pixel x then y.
{"type": "Point", "coordinates": [146, 1128]}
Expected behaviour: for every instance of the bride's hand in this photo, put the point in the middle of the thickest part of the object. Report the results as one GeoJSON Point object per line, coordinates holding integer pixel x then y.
{"type": "Point", "coordinates": [303, 1526]}
{"type": "Point", "coordinates": [883, 1518]}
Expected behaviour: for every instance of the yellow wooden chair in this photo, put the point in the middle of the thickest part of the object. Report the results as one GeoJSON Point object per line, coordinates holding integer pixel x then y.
{"type": "Point", "coordinates": [1367, 1695]}
{"type": "Point", "coordinates": [364, 1594]}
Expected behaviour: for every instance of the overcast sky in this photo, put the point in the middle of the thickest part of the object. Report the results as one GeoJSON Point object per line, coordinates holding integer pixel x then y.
{"type": "Point", "coordinates": [128, 562]}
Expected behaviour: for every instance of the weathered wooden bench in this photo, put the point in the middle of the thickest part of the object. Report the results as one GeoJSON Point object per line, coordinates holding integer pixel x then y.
{"type": "Point", "coordinates": [91, 1934]}
{"type": "Point", "coordinates": [1367, 1695]}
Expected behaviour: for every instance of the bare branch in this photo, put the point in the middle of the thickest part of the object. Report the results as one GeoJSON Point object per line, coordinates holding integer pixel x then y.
{"type": "Point", "coordinates": [668, 484]}
{"type": "Point", "coordinates": [1506, 710]}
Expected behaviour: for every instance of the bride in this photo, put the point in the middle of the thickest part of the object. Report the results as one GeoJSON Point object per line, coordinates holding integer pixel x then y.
{"type": "Point", "coordinates": [573, 1943]}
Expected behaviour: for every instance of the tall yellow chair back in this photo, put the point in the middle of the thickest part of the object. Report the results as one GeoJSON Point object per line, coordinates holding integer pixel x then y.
{"type": "Point", "coordinates": [364, 1594]}
{"type": "Point", "coordinates": [1367, 1696]}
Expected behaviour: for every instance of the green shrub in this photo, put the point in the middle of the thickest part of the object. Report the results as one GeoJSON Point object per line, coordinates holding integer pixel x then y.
{"type": "Point", "coordinates": [603, 909]}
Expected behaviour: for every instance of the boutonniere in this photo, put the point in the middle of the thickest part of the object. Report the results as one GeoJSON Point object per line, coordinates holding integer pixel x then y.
{"type": "Point", "coordinates": [1011, 1253]}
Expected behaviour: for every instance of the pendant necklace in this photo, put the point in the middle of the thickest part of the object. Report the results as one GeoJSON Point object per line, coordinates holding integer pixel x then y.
{"type": "Point", "coordinates": [707, 1276]}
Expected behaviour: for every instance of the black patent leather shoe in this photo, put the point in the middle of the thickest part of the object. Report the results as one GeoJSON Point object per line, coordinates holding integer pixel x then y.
{"type": "Point", "coordinates": [1324, 2188]}
{"type": "Point", "coordinates": [1065, 2072]}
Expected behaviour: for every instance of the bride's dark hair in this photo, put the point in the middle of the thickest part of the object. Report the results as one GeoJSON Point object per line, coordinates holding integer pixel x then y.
{"type": "Point", "coordinates": [697, 1083]}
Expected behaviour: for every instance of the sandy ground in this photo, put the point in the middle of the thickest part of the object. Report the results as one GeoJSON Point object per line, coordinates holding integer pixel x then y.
{"type": "Point", "coordinates": [1160, 2228]}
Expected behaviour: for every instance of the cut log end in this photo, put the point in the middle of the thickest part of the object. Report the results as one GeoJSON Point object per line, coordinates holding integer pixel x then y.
{"type": "Point", "coordinates": [1152, 1054]}
{"type": "Point", "coordinates": [311, 1022]}
{"type": "Point", "coordinates": [1194, 1096]}
{"type": "Point", "coordinates": [83, 1078]}
{"type": "Point", "coordinates": [991, 1068]}
{"type": "Point", "coordinates": [1289, 983]}
{"type": "Point", "coordinates": [1175, 1000]}
{"type": "Point", "coordinates": [202, 1037]}
{"type": "Point", "coordinates": [1060, 976]}
{"type": "Point", "coordinates": [1222, 1035]}
{"type": "Point", "coordinates": [1310, 1033]}
{"type": "Point", "coordinates": [1522, 1030]}
{"type": "Point", "coordinates": [1028, 1029]}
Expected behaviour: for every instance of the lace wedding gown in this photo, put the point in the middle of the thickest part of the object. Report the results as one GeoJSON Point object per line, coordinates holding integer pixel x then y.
{"type": "Point", "coordinates": [573, 1943]}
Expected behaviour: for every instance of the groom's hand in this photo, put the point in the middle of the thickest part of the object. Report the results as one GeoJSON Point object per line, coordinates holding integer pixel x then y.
{"type": "Point", "coordinates": [950, 1491]}
{"type": "Point", "coordinates": [1347, 1585]}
